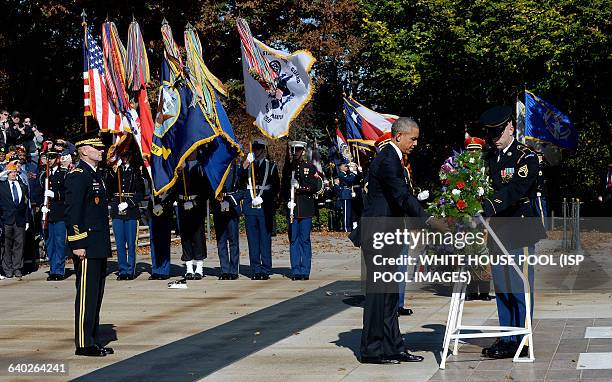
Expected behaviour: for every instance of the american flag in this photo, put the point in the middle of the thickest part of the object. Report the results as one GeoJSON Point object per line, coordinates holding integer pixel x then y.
{"type": "Point", "coordinates": [96, 100]}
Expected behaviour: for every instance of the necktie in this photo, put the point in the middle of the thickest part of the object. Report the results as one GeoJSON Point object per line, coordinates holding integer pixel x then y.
{"type": "Point", "coordinates": [15, 194]}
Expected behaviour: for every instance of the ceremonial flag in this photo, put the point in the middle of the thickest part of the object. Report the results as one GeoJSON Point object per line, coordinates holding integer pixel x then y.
{"type": "Point", "coordinates": [342, 146]}
{"type": "Point", "coordinates": [97, 102]}
{"type": "Point", "coordinates": [520, 121]}
{"type": "Point", "coordinates": [277, 85]}
{"type": "Point", "coordinates": [138, 77]}
{"type": "Point", "coordinates": [364, 125]}
{"type": "Point", "coordinates": [546, 123]}
{"type": "Point", "coordinates": [218, 154]}
{"type": "Point", "coordinates": [184, 123]}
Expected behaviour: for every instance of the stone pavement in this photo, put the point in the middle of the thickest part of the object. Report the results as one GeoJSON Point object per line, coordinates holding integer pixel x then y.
{"type": "Point", "coordinates": [281, 330]}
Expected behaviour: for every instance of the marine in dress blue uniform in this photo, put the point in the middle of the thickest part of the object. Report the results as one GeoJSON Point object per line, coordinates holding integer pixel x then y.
{"type": "Point", "coordinates": [161, 213]}
{"type": "Point", "coordinates": [56, 228]}
{"type": "Point", "coordinates": [302, 176]}
{"type": "Point", "coordinates": [89, 239]}
{"type": "Point", "coordinates": [259, 206]}
{"type": "Point", "coordinates": [514, 170]}
{"type": "Point", "coordinates": [126, 187]}
{"type": "Point", "coordinates": [226, 217]}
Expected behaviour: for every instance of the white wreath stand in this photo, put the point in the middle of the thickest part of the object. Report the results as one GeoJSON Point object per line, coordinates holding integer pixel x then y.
{"type": "Point", "coordinates": [455, 313]}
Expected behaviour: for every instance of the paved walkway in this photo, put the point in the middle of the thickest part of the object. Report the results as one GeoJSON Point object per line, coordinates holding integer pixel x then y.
{"type": "Point", "coordinates": [281, 330]}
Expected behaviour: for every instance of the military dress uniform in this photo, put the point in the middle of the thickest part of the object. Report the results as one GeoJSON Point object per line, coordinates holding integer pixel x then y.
{"type": "Point", "coordinates": [259, 219]}
{"type": "Point", "coordinates": [87, 228]}
{"type": "Point", "coordinates": [161, 213]}
{"type": "Point", "coordinates": [125, 214]}
{"type": "Point", "coordinates": [226, 217]}
{"type": "Point", "coordinates": [303, 176]}
{"type": "Point", "coordinates": [56, 229]}
{"type": "Point", "coordinates": [513, 172]}
{"type": "Point", "coordinates": [345, 195]}
{"type": "Point", "coordinates": [192, 189]}
{"type": "Point", "coordinates": [540, 202]}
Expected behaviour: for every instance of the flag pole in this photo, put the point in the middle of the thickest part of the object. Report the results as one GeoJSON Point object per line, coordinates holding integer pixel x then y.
{"type": "Point", "coordinates": [84, 24]}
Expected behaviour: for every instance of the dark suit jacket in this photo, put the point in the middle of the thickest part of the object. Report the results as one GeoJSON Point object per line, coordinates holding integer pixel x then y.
{"type": "Point", "coordinates": [388, 192]}
{"type": "Point", "coordinates": [11, 213]}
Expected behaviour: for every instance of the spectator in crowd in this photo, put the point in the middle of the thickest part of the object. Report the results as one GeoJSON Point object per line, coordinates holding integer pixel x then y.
{"type": "Point", "coordinates": [17, 133]}
{"type": "Point", "coordinates": [3, 160]}
{"type": "Point", "coordinates": [15, 216]}
{"type": "Point", "coordinates": [4, 126]}
{"type": "Point", "coordinates": [33, 145]}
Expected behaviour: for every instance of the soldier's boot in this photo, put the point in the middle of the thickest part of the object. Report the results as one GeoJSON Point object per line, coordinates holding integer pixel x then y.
{"type": "Point", "coordinates": [199, 273]}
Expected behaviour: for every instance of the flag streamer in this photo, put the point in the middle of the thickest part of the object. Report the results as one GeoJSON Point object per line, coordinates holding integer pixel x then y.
{"type": "Point", "coordinates": [138, 75]}
{"type": "Point", "coordinates": [258, 67]}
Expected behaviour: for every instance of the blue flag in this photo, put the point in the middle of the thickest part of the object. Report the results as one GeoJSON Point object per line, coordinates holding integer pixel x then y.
{"type": "Point", "coordinates": [179, 130]}
{"type": "Point", "coordinates": [546, 123]}
{"type": "Point", "coordinates": [220, 152]}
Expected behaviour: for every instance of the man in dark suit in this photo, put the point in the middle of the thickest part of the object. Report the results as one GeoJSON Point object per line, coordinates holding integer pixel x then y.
{"type": "Point", "coordinates": [89, 239]}
{"type": "Point", "coordinates": [388, 196]}
{"type": "Point", "coordinates": [16, 217]}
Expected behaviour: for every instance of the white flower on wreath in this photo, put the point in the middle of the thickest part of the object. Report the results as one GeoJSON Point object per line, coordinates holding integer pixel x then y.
{"type": "Point", "coordinates": [480, 191]}
{"type": "Point", "coordinates": [423, 195]}
{"type": "Point", "coordinates": [472, 160]}
{"type": "Point", "coordinates": [456, 192]}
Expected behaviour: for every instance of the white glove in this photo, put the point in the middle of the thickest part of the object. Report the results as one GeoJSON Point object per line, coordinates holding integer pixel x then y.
{"type": "Point", "coordinates": [188, 205]}
{"type": "Point", "coordinates": [291, 205]}
{"type": "Point", "coordinates": [27, 226]}
{"type": "Point", "coordinates": [49, 194]}
{"type": "Point", "coordinates": [294, 183]}
{"type": "Point", "coordinates": [158, 210]}
{"type": "Point", "coordinates": [423, 195]}
{"type": "Point", "coordinates": [360, 169]}
{"type": "Point", "coordinates": [122, 206]}
{"type": "Point", "coordinates": [257, 201]}
{"type": "Point", "coordinates": [250, 158]}
{"type": "Point", "coordinates": [45, 210]}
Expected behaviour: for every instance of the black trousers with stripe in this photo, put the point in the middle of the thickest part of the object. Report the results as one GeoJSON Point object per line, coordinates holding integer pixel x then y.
{"type": "Point", "coordinates": [90, 278]}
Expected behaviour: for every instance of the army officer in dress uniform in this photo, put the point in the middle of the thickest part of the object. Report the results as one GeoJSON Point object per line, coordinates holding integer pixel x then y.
{"type": "Point", "coordinates": [301, 176]}
{"type": "Point", "coordinates": [126, 187]}
{"type": "Point", "coordinates": [89, 239]}
{"type": "Point", "coordinates": [513, 169]}
{"type": "Point", "coordinates": [259, 206]}
{"type": "Point", "coordinates": [347, 178]}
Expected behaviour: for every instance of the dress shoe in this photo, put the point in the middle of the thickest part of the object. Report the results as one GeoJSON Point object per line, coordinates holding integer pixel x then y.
{"type": "Point", "coordinates": [189, 276]}
{"type": "Point", "coordinates": [407, 357]}
{"type": "Point", "coordinates": [198, 276]}
{"type": "Point", "coordinates": [256, 276]}
{"type": "Point", "coordinates": [305, 277]}
{"type": "Point", "coordinates": [379, 360]}
{"type": "Point", "coordinates": [17, 274]}
{"type": "Point", "coordinates": [508, 351]}
{"type": "Point", "coordinates": [295, 277]}
{"type": "Point", "coordinates": [495, 347]}
{"type": "Point", "coordinates": [107, 350]}
{"type": "Point", "coordinates": [265, 276]}
{"type": "Point", "coordinates": [163, 277]}
{"type": "Point", "coordinates": [154, 276]}
{"type": "Point", "coordinates": [122, 277]}
{"type": "Point", "coordinates": [471, 296]}
{"type": "Point", "coordinates": [129, 277]}
{"type": "Point", "coordinates": [404, 311]}
{"type": "Point", "coordinates": [233, 277]}
{"type": "Point", "coordinates": [484, 297]}
{"type": "Point", "coordinates": [90, 351]}
{"type": "Point", "coordinates": [53, 277]}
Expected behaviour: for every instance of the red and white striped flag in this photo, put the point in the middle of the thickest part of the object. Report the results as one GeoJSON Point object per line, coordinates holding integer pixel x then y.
{"type": "Point", "coordinates": [96, 100]}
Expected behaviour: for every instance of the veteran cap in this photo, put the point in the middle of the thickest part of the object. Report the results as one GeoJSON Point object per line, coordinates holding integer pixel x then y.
{"type": "Point", "coordinates": [495, 120]}
{"type": "Point", "coordinates": [90, 138]}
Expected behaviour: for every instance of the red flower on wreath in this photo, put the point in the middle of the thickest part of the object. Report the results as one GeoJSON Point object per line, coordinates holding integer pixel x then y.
{"type": "Point", "coordinates": [461, 204]}
{"type": "Point", "coordinates": [460, 185]}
